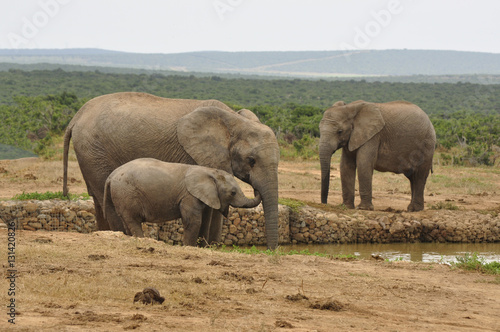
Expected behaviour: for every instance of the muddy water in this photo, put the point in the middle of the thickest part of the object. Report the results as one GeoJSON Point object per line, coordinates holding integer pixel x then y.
{"type": "Point", "coordinates": [418, 252]}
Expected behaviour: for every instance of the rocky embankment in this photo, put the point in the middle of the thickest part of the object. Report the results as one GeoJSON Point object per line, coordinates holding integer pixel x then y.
{"type": "Point", "coordinates": [301, 225]}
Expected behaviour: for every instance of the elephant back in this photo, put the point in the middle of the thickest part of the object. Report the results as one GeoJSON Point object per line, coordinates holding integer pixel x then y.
{"type": "Point", "coordinates": [414, 120]}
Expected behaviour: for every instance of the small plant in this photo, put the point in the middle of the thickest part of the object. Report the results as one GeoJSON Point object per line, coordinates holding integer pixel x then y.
{"type": "Point", "coordinates": [444, 206]}
{"type": "Point", "coordinates": [397, 259]}
{"type": "Point", "coordinates": [473, 262]}
{"type": "Point", "coordinates": [48, 195]}
{"type": "Point", "coordinates": [352, 274]}
{"type": "Point", "coordinates": [280, 252]}
{"type": "Point", "coordinates": [294, 204]}
{"type": "Point", "coordinates": [329, 207]}
{"type": "Point", "coordinates": [495, 281]}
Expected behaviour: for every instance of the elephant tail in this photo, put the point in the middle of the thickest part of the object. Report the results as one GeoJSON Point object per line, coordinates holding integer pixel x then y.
{"type": "Point", "coordinates": [67, 139]}
{"type": "Point", "coordinates": [107, 197]}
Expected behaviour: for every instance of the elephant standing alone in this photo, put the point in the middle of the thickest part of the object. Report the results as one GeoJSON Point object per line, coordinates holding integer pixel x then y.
{"type": "Point", "coordinates": [388, 137]}
{"type": "Point", "coordinates": [111, 130]}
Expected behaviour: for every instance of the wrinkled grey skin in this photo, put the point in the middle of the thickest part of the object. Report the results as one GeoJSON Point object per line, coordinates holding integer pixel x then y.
{"type": "Point", "coordinates": [389, 137]}
{"type": "Point", "coordinates": [150, 190]}
{"type": "Point", "coordinates": [110, 130]}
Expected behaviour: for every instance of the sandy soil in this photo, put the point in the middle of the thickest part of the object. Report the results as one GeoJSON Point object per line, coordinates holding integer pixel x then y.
{"type": "Point", "coordinates": [87, 282]}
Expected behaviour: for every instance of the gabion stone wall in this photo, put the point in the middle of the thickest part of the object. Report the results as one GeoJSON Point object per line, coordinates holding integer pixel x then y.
{"type": "Point", "coordinates": [50, 215]}
{"type": "Point", "coordinates": [242, 227]}
{"type": "Point", "coordinates": [304, 225]}
{"type": "Point", "coordinates": [315, 226]}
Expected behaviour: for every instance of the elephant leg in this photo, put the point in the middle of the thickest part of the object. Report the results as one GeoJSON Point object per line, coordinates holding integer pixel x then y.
{"type": "Point", "coordinates": [112, 221]}
{"type": "Point", "coordinates": [365, 178]}
{"type": "Point", "coordinates": [192, 215]}
{"type": "Point", "coordinates": [115, 222]}
{"type": "Point", "coordinates": [135, 228]}
{"type": "Point", "coordinates": [132, 222]}
{"type": "Point", "coordinates": [348, 177]}
{"type": "Point", "coordinates": [204, 233]}
{"type": "Point", "coordinates": [101, 223]}
{"type": "Point", "coordinates": [128, 231]}
{"type": "Point", "coordinates": [417, 181]}
{"type": "Point", "coordinates": [215, 234]}
{"type": "Point", "coordinates": [365, 162]}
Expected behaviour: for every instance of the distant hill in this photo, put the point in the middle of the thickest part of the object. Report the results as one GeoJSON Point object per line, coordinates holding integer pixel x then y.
{"type": "Point", "coordinates": [320, 64]}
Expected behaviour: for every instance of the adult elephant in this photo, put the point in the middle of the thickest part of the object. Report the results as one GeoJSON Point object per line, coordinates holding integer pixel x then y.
{"type": "Point", "coordinates": [111, 130]}
{"type": "Point", "coordinates": [388, 137]}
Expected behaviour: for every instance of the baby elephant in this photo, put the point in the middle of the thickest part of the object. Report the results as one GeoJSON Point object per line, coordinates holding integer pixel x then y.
{"type": "Point", "coordinates": [150, 190]}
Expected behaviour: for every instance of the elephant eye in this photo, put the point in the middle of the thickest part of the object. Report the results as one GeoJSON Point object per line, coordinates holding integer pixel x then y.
{"type": "Point", "coordinates": [251, 161]}
{"type": "Point", "coordinates": [233, 193]}
{"type": "Point", "coordinates": [340, 131]}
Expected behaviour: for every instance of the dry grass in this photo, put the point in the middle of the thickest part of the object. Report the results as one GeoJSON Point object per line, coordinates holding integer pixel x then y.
{"type": "Point", "coordinates": [300, 180]}
{"type": "Point", "coordinates": [306, 175]}
{"type": "Point", "coordinates": [109, 268]}
{"type": "Point", "coordinates": [87, 282]}
{"type": "Point", "coordinates": [49, 171]}
{"type": "Point", "coordinates": [476, 188]}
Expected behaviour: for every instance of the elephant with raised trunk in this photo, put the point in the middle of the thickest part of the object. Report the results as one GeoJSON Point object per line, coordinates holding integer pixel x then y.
{"type": "Point", "coordinates": [388, 137]}
{"type": "Point", "coordinates": [150, 190]}
{"type": "Point", "coordinates": [111, 130]}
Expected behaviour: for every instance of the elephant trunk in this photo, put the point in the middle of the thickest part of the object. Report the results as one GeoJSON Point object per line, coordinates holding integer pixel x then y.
{"type": "Point", "coordinates": [268, 189]}
{"type": "Point", "coordinates": [325, 158]}
{"type": "Point", "coordinates": [242, 201]}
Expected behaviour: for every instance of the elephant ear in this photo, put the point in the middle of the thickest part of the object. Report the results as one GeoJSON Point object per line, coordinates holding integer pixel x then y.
{"type": "Point", "coordinates": [201, 184]}
{"type": "Point", "coordinates": [339, 103]}
{"type": "Point", "coordinates": [368, 121]}
{"type": "Point", "coordinates": [248, 114]}
{"type": "Point", "coordinates": [204, 135]}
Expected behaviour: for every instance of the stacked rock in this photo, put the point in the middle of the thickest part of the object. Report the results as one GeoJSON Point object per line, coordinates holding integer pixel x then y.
{"type": "Point", "coordinates": [302, 225]}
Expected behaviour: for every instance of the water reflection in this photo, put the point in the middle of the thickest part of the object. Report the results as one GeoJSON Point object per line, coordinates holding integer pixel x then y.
{"type": "Point", "coordinates": [417, 252]}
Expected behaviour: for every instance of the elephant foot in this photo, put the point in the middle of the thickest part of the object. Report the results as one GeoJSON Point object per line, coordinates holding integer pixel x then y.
{"type": "Point", "coordinates": [349, 205]}
{"type": "Point", "coordinates": [365, 207]}
{"type": "Point", "coordinates": [203, 243]}
{"type": "Point", "coordinates": [415, 207]}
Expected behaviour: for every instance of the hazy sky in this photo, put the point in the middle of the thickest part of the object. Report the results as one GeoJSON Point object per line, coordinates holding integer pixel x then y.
{"type": "Point", "coordinates": [168, 26]}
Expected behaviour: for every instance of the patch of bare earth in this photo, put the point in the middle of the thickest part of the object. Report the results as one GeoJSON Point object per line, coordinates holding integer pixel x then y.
{"type": "Point", "coordinates": [81, 282]}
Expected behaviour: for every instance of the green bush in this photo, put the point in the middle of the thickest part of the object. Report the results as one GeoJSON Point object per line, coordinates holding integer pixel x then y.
{"type": "Point", "coordinates": [473, 262]}
{"type": "Point", "coordinates": [304, 148]}
{"type": "Point", "coordinates": [34, 111]}
{"type": "Point", "coordinates": [48, 195]}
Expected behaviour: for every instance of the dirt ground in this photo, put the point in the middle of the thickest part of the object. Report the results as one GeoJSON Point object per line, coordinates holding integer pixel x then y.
{"type": "Point", "coordinates": [87, 282]}
{"type": "Point", "coordinates": [470, 188]}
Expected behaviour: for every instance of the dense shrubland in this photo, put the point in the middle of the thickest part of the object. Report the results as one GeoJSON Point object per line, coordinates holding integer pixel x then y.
{"type": "Point", "coordinates": [36, 106]}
